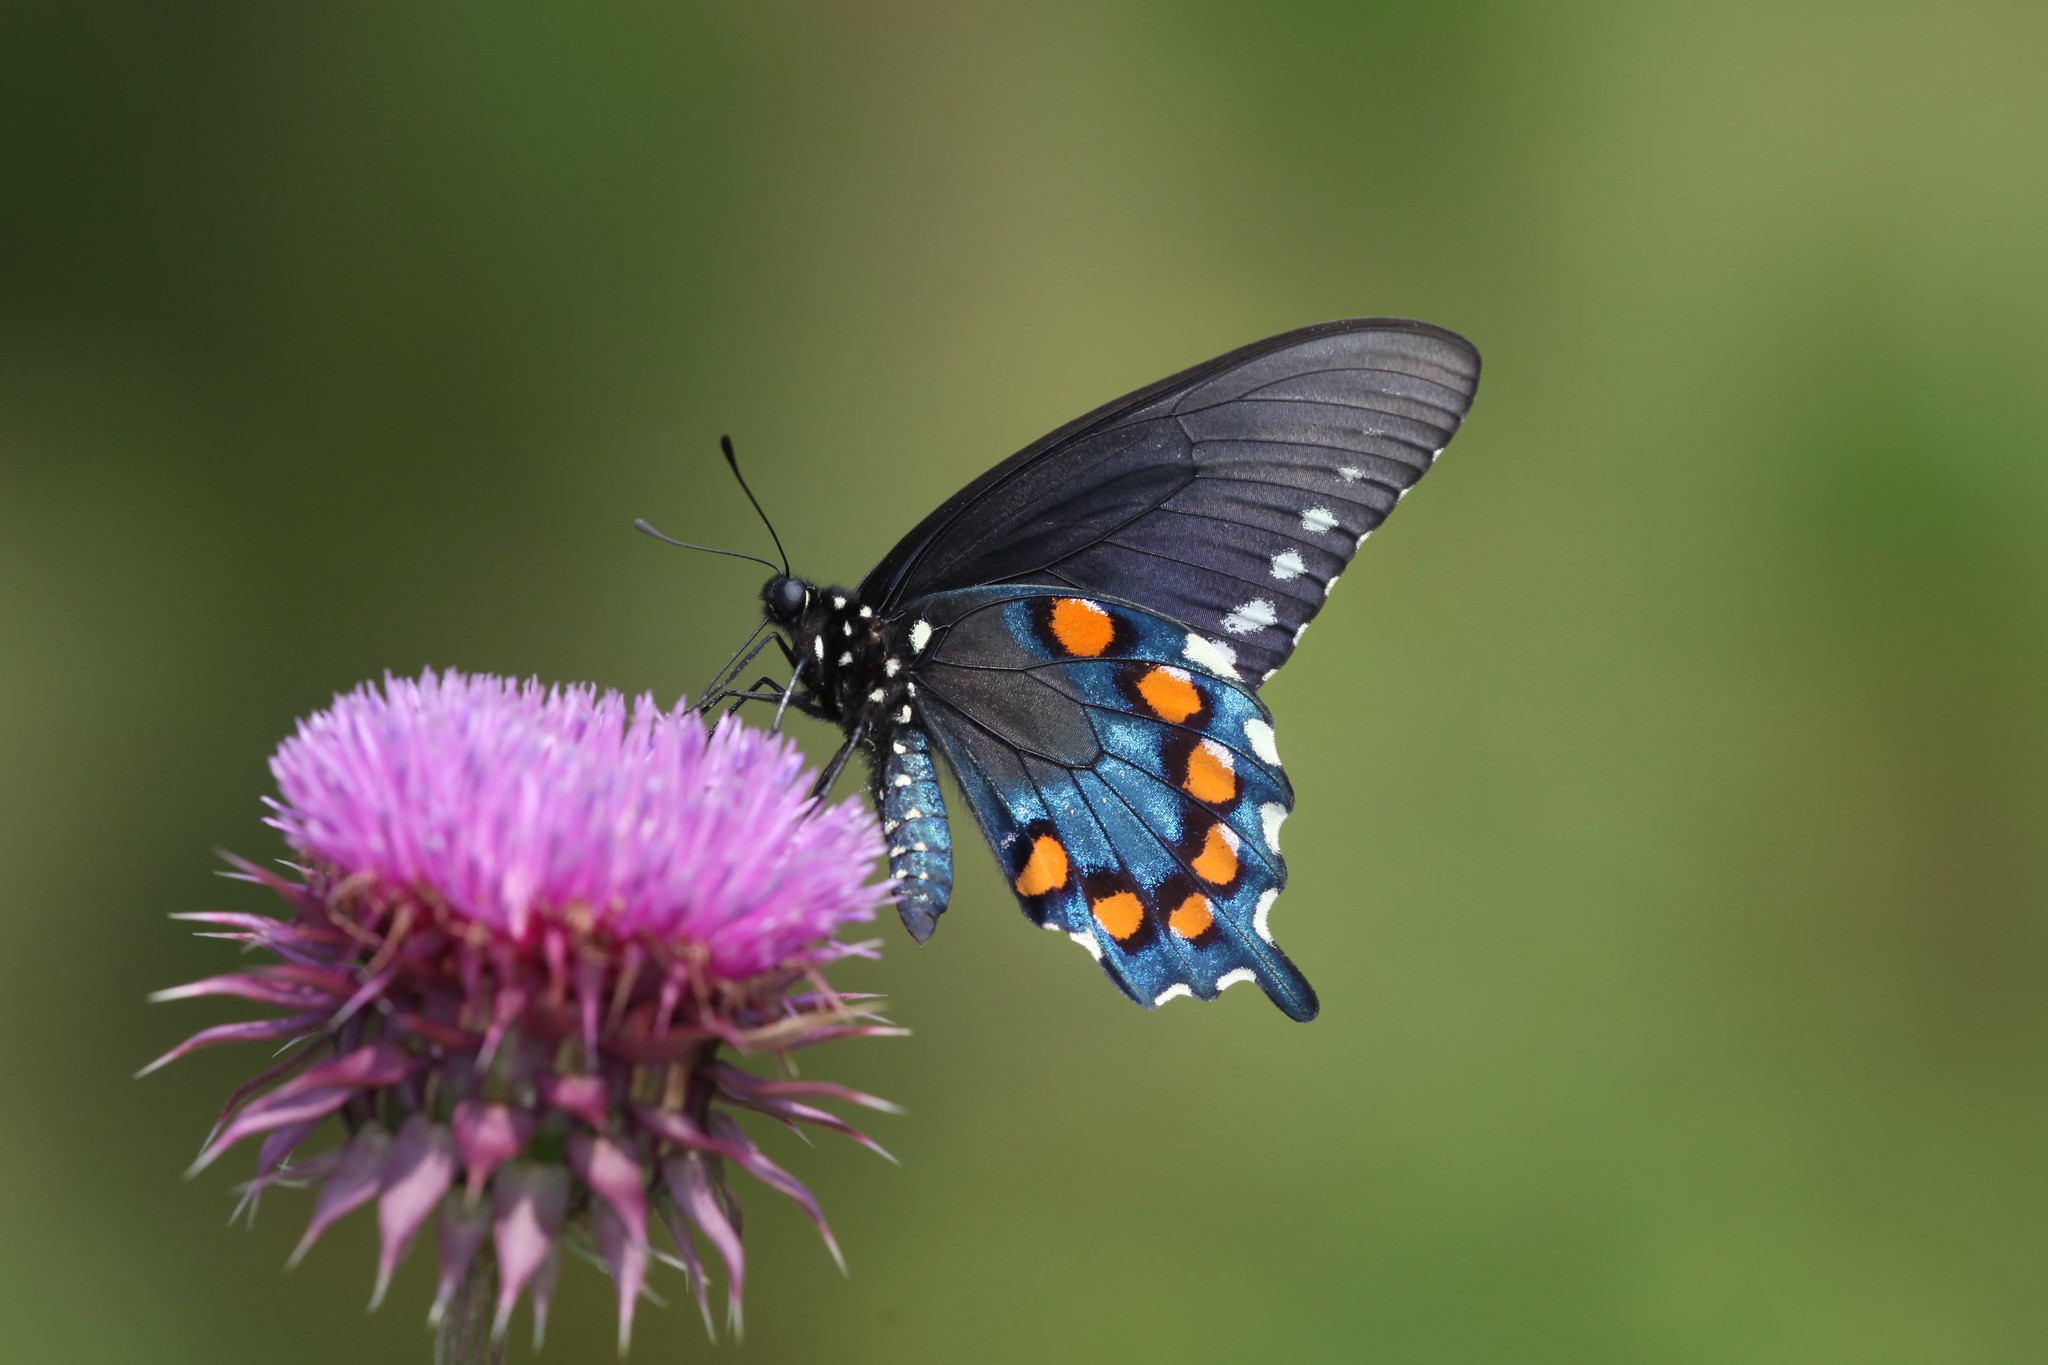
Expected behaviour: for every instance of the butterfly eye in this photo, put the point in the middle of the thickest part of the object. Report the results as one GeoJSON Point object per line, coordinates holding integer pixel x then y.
{"type": "Point", "coordinates": [786, 598]}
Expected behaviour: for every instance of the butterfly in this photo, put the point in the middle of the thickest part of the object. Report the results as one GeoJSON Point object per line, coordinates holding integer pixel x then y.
{"type": "Point", "coordinates": [1081, 634]}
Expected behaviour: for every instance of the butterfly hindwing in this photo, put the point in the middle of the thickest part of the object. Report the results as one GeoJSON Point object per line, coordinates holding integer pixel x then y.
{"type": "Point", "coordinates": [1127, 780]}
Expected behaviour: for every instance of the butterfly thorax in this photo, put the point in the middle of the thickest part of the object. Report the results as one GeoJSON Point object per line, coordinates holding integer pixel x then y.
{"type": "Point", "coordinates": [850, 668]}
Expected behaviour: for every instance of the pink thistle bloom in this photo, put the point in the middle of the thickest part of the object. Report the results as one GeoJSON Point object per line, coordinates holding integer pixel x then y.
{"type": "Point", "coordinates": [528, 925]}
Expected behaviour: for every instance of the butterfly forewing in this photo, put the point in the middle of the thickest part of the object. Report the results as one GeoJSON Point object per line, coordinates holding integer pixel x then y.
{"type": "Point", "coordinates": [1228, 498]}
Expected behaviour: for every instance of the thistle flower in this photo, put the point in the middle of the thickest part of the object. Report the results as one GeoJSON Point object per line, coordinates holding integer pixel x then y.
{"type": "Point", "coordinates": [525, 930]}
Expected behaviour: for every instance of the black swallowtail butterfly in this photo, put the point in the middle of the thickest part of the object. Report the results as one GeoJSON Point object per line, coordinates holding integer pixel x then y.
{"type": "Point", "coordinates": [1082, 632]}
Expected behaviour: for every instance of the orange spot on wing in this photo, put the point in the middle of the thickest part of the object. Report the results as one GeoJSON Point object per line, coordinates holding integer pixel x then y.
{"type": "Point", "coordinates": [1211, 775]}
{"type": "Point", "coordinates": [1081, 627]}
{"type": "Point", "coordinates": [1046, 869]}
{"type": "Point", "coordinates": [1169, 693]}
{"type": "Point", "coordinates": [1120, 914]}
{"type": "Point", "coordinates": [1217, 862]}
{"type": "Point", "coordinates": [1192, 917]}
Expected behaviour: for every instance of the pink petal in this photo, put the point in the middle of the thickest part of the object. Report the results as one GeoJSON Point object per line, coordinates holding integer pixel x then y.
{"type": "Point", "coordinates": [686, 1247]}
{"type": "Point", "coordinates": [274, 1111]}
{"type": "Point", "coordinates": [584, 1096]}
{"type": "Point", "coordinates": [531, 1202]}
{"type": "Point", "coordinates": [248, 1031]}
{"type": "Point", "coordinates": [626, 1255]}
{"type": "Point", "coordinates": [690, 1181]}
{"type": "Point", "coordinates": [616, 1178]}
{"type": "Point", "coordinates": [733, 1080]}
{"type": "Point", "coordinates": [419, 1171]}
{"type": "Point", "coordinates": [489, 1135]}
{"type": "Point", "coordinates": [462, 1235]}
{"type": "Point", "coordinates": [265, 987]}
{"type": "Point", "coordinates": [613, 1176]}
{"type": "Point", "coordinates": [756, 1163]}
{"type": "Point", "coordinates": [355, 1182]}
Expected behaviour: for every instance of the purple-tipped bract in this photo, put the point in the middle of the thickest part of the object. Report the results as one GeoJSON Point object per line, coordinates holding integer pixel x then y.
{"type": "Point", "coordinates": [527, 923]}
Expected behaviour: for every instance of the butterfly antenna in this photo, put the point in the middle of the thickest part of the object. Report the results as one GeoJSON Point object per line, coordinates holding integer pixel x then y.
{"type": "Point", "coordinates": [640, 525]}
{"type": "Point", "coordinates": [732, 462]}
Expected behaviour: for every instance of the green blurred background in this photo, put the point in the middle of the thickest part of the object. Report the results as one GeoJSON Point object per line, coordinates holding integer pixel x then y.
{"type": "Point", "coordinates": [1672, 774]}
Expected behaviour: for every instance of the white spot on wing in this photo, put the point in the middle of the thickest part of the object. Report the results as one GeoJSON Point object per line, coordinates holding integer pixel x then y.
{"type": "Point", "coordinates": [1272, 815]}
{"type": "Point", "coordinates": [1300, 631]}
{"type": "Point", "coordinates": [920, 636]}
{"type": "Point", "coordinates": [1288, 565]}
{"type": "Point", "coordinates": [1331, 586]}
{"type": "Point", "coordinates": [1212, 656]}
{"type": "Point", "coordinates": [1318, 520]}
{"type": "Point", "coordinates": [1173, 992]}
{"type": "Point", "coordinates": [1086, 938]}
{"type": "Point", "coordinates": [1235, 977]}
{"type": "Point", "coordinates": [1253, 616]}
{"type": "Point", "coordinates": [1265, 908]}
{"type": "Point", "coordinates": [1261, 736]}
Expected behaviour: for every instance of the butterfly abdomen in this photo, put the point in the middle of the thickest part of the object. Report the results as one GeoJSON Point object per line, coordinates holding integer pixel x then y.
{"type": "Point", "coordinates": [914, 822]}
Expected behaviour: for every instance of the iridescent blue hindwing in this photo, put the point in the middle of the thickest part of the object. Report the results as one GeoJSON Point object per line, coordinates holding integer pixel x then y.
{"type": "Point", "coordinates": [1126, 778]}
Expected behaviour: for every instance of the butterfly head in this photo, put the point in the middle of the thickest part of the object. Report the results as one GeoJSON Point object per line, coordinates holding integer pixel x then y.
{"type": "Point", "coordinates": [784, 599]}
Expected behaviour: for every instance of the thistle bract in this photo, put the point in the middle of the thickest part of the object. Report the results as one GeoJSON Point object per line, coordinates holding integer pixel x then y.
{"type": "Point", "coordinates": [526, 930]}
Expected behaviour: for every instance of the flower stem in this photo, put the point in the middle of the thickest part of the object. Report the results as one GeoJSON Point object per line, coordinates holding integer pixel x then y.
{"type": "Point", "coordinates": [464, 1336]}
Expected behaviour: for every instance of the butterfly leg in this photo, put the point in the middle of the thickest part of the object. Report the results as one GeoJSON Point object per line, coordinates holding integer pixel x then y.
{"type": "Point", "coordinates": [721, 682]}
{"type": "Point", "coordinates": [763, 689]}
{"type": "Point", "coordinates": [823, 787]}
